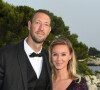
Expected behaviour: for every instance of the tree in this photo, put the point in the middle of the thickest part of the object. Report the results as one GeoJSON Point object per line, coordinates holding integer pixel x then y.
{"type": "Point", "coordinates": [81, 51]}
{"type": "Point", "coordinates": [93, 51]}
{"type": "Point", "coordinates": [13, 27]}
{"type": "Point", "coordinates": [58, 26]}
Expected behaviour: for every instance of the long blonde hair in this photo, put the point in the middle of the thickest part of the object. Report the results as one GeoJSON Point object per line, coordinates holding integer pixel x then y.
{"type": "Point", "coordinates": [71, 67]}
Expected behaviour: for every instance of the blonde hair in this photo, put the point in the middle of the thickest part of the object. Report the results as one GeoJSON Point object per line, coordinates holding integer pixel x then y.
{"type": "Point", "coordinates": [71, 67]}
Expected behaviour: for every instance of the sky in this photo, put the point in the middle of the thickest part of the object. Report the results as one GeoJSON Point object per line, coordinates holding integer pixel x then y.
{"type": "Point", "coordinates": [82, 16]}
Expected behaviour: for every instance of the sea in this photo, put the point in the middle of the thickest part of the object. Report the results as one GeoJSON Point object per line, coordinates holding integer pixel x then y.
{"type": "Point", "coordinates": [94, 68]}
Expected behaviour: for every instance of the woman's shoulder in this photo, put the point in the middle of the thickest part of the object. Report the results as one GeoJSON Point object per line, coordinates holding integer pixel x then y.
{"type": "Point", "coordinates": [76, 85]}
{"type": "Point", "coordinates": [83, 80]}
{"type": "Point", "coordinates": [82, 85]}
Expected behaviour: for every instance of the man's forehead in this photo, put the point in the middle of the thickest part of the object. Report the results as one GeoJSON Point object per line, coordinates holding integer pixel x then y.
{"type": "Point", "coordinates": [38, 16]}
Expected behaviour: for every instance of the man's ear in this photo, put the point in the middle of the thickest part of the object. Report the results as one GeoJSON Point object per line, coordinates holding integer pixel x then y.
{"type": "Point", "coordinates": [29, 25]}
{"type": "Point", "coordinates": [50, 28]}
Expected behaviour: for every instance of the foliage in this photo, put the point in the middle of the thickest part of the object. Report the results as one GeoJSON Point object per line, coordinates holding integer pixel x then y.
{"type": "Point", "coordinates": [13, 28]}
{"type": "Point", "coordinates": [83, 69]}
{"type": "Point", "coordinates": [81, 50]}
{"type": "Point", "coordinates": [94, 52]}
{"type": "Point", "coordinates": [97, 72]}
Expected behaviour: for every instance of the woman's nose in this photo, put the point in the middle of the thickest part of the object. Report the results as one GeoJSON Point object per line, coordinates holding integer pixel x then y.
{"type": "Point", "coordinates": [59, 57]}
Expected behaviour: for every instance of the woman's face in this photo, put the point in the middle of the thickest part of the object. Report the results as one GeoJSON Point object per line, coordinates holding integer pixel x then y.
{"type": "Point", "coordinates": [60, 56]}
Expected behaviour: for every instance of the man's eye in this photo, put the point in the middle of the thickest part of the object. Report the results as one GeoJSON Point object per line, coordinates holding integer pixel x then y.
{"type": "Point", "coordinates": [46, 24]}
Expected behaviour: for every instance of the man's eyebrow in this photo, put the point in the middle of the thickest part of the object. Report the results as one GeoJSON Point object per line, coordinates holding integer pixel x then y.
{"type": "Point", "coordinates": [47, 23]}
{"type": "Point", "coordinates": [37, 20]}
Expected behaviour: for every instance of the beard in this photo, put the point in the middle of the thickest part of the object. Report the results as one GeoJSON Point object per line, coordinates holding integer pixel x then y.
{"type": "Point", "coordinates": [36, 39]}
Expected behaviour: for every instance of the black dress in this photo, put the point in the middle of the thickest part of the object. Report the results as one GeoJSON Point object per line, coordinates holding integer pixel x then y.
{"type": "Point", "coordinates": [78, 86]}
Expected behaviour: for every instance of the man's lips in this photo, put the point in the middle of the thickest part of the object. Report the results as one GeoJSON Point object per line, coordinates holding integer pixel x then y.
{"type": "Point", "coordinates": [40, 33]}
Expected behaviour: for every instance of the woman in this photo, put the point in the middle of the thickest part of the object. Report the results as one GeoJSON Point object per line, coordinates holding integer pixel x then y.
{"type": "Point", "coordinates": [63, 63]}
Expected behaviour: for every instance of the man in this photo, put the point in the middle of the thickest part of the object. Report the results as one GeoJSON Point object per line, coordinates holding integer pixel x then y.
{"type": "Point", "coordinates": [19, 68]}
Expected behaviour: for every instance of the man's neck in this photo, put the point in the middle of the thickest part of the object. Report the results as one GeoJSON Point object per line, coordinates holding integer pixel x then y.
{"type": "Point", "coordinates": [35, 46]}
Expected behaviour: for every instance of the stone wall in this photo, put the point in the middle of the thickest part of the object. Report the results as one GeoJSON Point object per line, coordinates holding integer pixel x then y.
{"type": "Point", "coordinates": [93, 81]}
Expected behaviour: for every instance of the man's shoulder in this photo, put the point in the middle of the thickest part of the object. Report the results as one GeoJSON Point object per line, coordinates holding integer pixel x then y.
{"type": "Point", "coordinates": [9, 48]}
{"type": "Point", "coordinates": [45, 50]}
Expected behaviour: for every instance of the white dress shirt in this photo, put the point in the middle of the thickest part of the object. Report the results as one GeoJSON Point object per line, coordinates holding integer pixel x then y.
{"type": "Point", "coordinates": [36, 62]}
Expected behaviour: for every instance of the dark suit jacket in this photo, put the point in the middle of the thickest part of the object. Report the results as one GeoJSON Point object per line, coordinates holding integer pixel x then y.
{"type": "Point", "coordinates": [13, 72]}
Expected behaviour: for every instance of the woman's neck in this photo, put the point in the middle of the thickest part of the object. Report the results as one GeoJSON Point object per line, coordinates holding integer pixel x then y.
{"type": "Point", "coordinates": [60, 75]}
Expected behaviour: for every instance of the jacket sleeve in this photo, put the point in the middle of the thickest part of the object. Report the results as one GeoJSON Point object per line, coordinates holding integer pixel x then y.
{"type": "Point", "coordinates": [1, 71]}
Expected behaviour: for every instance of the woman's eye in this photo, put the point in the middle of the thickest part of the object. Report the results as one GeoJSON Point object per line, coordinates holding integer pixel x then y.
{"type": "Point", "coordinates": [54, 54]}
{"type": "Point", "coordinates": [63, 54]}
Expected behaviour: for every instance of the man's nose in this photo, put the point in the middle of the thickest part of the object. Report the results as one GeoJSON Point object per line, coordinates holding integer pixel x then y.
{"type": "Point", "coordinates": [41, 26]}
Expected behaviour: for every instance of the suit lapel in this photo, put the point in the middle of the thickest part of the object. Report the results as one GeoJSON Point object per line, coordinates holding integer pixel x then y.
{"type": "Point", "coordinates": [47, 66]}
{"type": "Point", "coordinates": [46, 59]}
{"type": "Point", "coordinates": [22, 57]}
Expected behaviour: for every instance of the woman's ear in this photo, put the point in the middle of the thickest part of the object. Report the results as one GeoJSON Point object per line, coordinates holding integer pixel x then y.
{"type": "Point", "coordinates": [70, 57]}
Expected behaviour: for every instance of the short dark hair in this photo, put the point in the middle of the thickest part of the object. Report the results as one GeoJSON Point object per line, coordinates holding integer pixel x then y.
{"type": "Point", "coordinates": [40, 11]}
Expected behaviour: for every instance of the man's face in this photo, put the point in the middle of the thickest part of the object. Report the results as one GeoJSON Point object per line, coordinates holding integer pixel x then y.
{"type": "Point", "coordinates": [40, 27]}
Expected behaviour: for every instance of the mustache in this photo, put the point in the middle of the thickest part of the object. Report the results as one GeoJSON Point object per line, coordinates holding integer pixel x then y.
{"type": "Point", "coordinates": [40, 31]}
